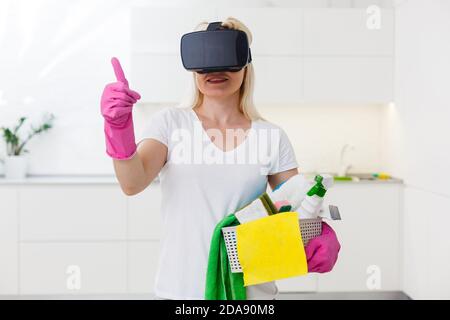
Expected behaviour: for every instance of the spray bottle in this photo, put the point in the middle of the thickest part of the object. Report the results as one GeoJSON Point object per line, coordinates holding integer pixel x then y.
{"type": "Point", "coordinates": [312, 203]}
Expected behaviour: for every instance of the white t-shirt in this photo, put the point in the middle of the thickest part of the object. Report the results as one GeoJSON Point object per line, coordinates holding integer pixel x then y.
{"type": "Point", "coordinates": [201, 184]}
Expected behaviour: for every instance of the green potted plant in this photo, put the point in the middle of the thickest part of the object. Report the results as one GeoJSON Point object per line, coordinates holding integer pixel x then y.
{"type": "Point", "coordinates": [15, 161]}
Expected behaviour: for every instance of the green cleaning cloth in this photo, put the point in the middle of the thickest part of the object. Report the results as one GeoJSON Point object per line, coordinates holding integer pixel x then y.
{"type": "Point", "coordinates": [221, 283]}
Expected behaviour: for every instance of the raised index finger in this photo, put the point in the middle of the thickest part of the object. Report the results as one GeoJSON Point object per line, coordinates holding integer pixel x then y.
{"type": "Point", "coordinates": [118, 71]}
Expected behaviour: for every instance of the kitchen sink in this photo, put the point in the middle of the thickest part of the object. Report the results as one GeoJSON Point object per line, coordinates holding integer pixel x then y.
{"type": "Point", "coordinates": [356, 177]}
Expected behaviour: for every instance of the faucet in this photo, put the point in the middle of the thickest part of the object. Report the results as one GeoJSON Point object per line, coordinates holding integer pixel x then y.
{"type": "Point", "coordinates": [343, 165]}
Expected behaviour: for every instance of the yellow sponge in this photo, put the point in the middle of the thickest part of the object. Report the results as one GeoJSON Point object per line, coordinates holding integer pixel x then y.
{"type": "Point", "coordinates": [271, 248]}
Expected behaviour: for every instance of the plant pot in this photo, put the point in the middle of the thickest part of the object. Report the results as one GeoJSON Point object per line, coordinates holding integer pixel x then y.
{"type": "Point", "coordinates": [15, 167]}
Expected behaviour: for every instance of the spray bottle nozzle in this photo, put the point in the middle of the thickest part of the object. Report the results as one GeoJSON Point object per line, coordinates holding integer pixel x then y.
{"type": "Point", "coordinates": [317, 189]}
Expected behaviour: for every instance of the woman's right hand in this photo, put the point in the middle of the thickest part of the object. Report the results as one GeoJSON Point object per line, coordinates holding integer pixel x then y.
{"type": "Point", "coordinates": [117, 98]}
{"type": "Point", "coordinates": [116, 108]}
{"type": "Point", "coordinates": [116, 104]}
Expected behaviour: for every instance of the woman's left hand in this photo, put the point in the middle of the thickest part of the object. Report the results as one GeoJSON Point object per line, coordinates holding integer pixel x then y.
{"type": "Point", "coordinates": [322, 251]}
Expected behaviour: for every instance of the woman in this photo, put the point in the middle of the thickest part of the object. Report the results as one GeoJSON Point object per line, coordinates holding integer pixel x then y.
{"type": "Point", "coordinates": [203, 180]}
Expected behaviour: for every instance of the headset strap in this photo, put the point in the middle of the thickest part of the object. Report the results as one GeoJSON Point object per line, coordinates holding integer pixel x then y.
{"type": "Point", "coordinates": [214, 26]}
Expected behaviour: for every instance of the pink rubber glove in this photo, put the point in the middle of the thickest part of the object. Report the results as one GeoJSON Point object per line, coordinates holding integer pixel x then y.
{"type": "Point", "coordinates": [116, 105]}
{"type": "Point", "coordinates": [322, 251]}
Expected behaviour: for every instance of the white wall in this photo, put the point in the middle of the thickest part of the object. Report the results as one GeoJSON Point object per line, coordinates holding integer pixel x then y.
{"type": "Point", "coordinates": [417, 143]}
{"type": "Point", "coordinates": [318, 132]}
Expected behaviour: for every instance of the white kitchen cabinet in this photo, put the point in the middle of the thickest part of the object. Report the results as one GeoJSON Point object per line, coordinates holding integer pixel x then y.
{"type": "Point", "coordinates": [143, 261]}
{"type": "Point", "coordinates": [8, 240]}
{"type": "Point", "coordinates": [275, 31]}
{"type": "Point", "coordinates": [63, 226]}
{"type": "Point", "coordinates": [347, 79]}
{"type": "Point", "coordinates": [72, 212]}
{"type": "Point", "coordinates": [144, 214]}
{"type": "Point", "coordinates": [79, 230]}
{"type": "Point", "coordinates": [369, 234]}
{"type": "Point", "coordinates": [306, 283]}
{"type": "Point", "coordinates": [300, 55]}
{"type": "Point", "coordinates": [278, 79]}
{"type": "Point", "coordinates": [345, 32]}
{"type": "Point", "coordinates": [157, 72]}
{"type": "Point", "coordinates": [159, 77]}
{"type": "Point", "coordinates": [73, 268]}
{"type": "Point", "coordinates": [426, 250]}
{"type": "Point", "coordinates": [159, 30]}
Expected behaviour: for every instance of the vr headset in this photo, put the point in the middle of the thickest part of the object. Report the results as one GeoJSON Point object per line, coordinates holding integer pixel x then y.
{"type": "Point", "coordinates": [215, 49]}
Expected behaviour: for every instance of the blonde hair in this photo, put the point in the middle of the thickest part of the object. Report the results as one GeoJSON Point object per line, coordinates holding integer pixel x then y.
{"type": "Point", "coordinates": [246, 104]}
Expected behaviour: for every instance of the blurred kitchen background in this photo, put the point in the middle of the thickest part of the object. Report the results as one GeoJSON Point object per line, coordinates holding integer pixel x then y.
{"type": "Point", "coordinates": [360, 86]}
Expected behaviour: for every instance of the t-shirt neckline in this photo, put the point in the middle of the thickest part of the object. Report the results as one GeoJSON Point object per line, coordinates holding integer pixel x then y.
{"type": "Point", "coordinates": [250, 132]}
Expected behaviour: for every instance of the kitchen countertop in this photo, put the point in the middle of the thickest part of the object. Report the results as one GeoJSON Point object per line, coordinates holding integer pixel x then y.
{"type": "Point", "coordinates": [111, 179]}
{"type": "Point", "coordinates": [62, 179]}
